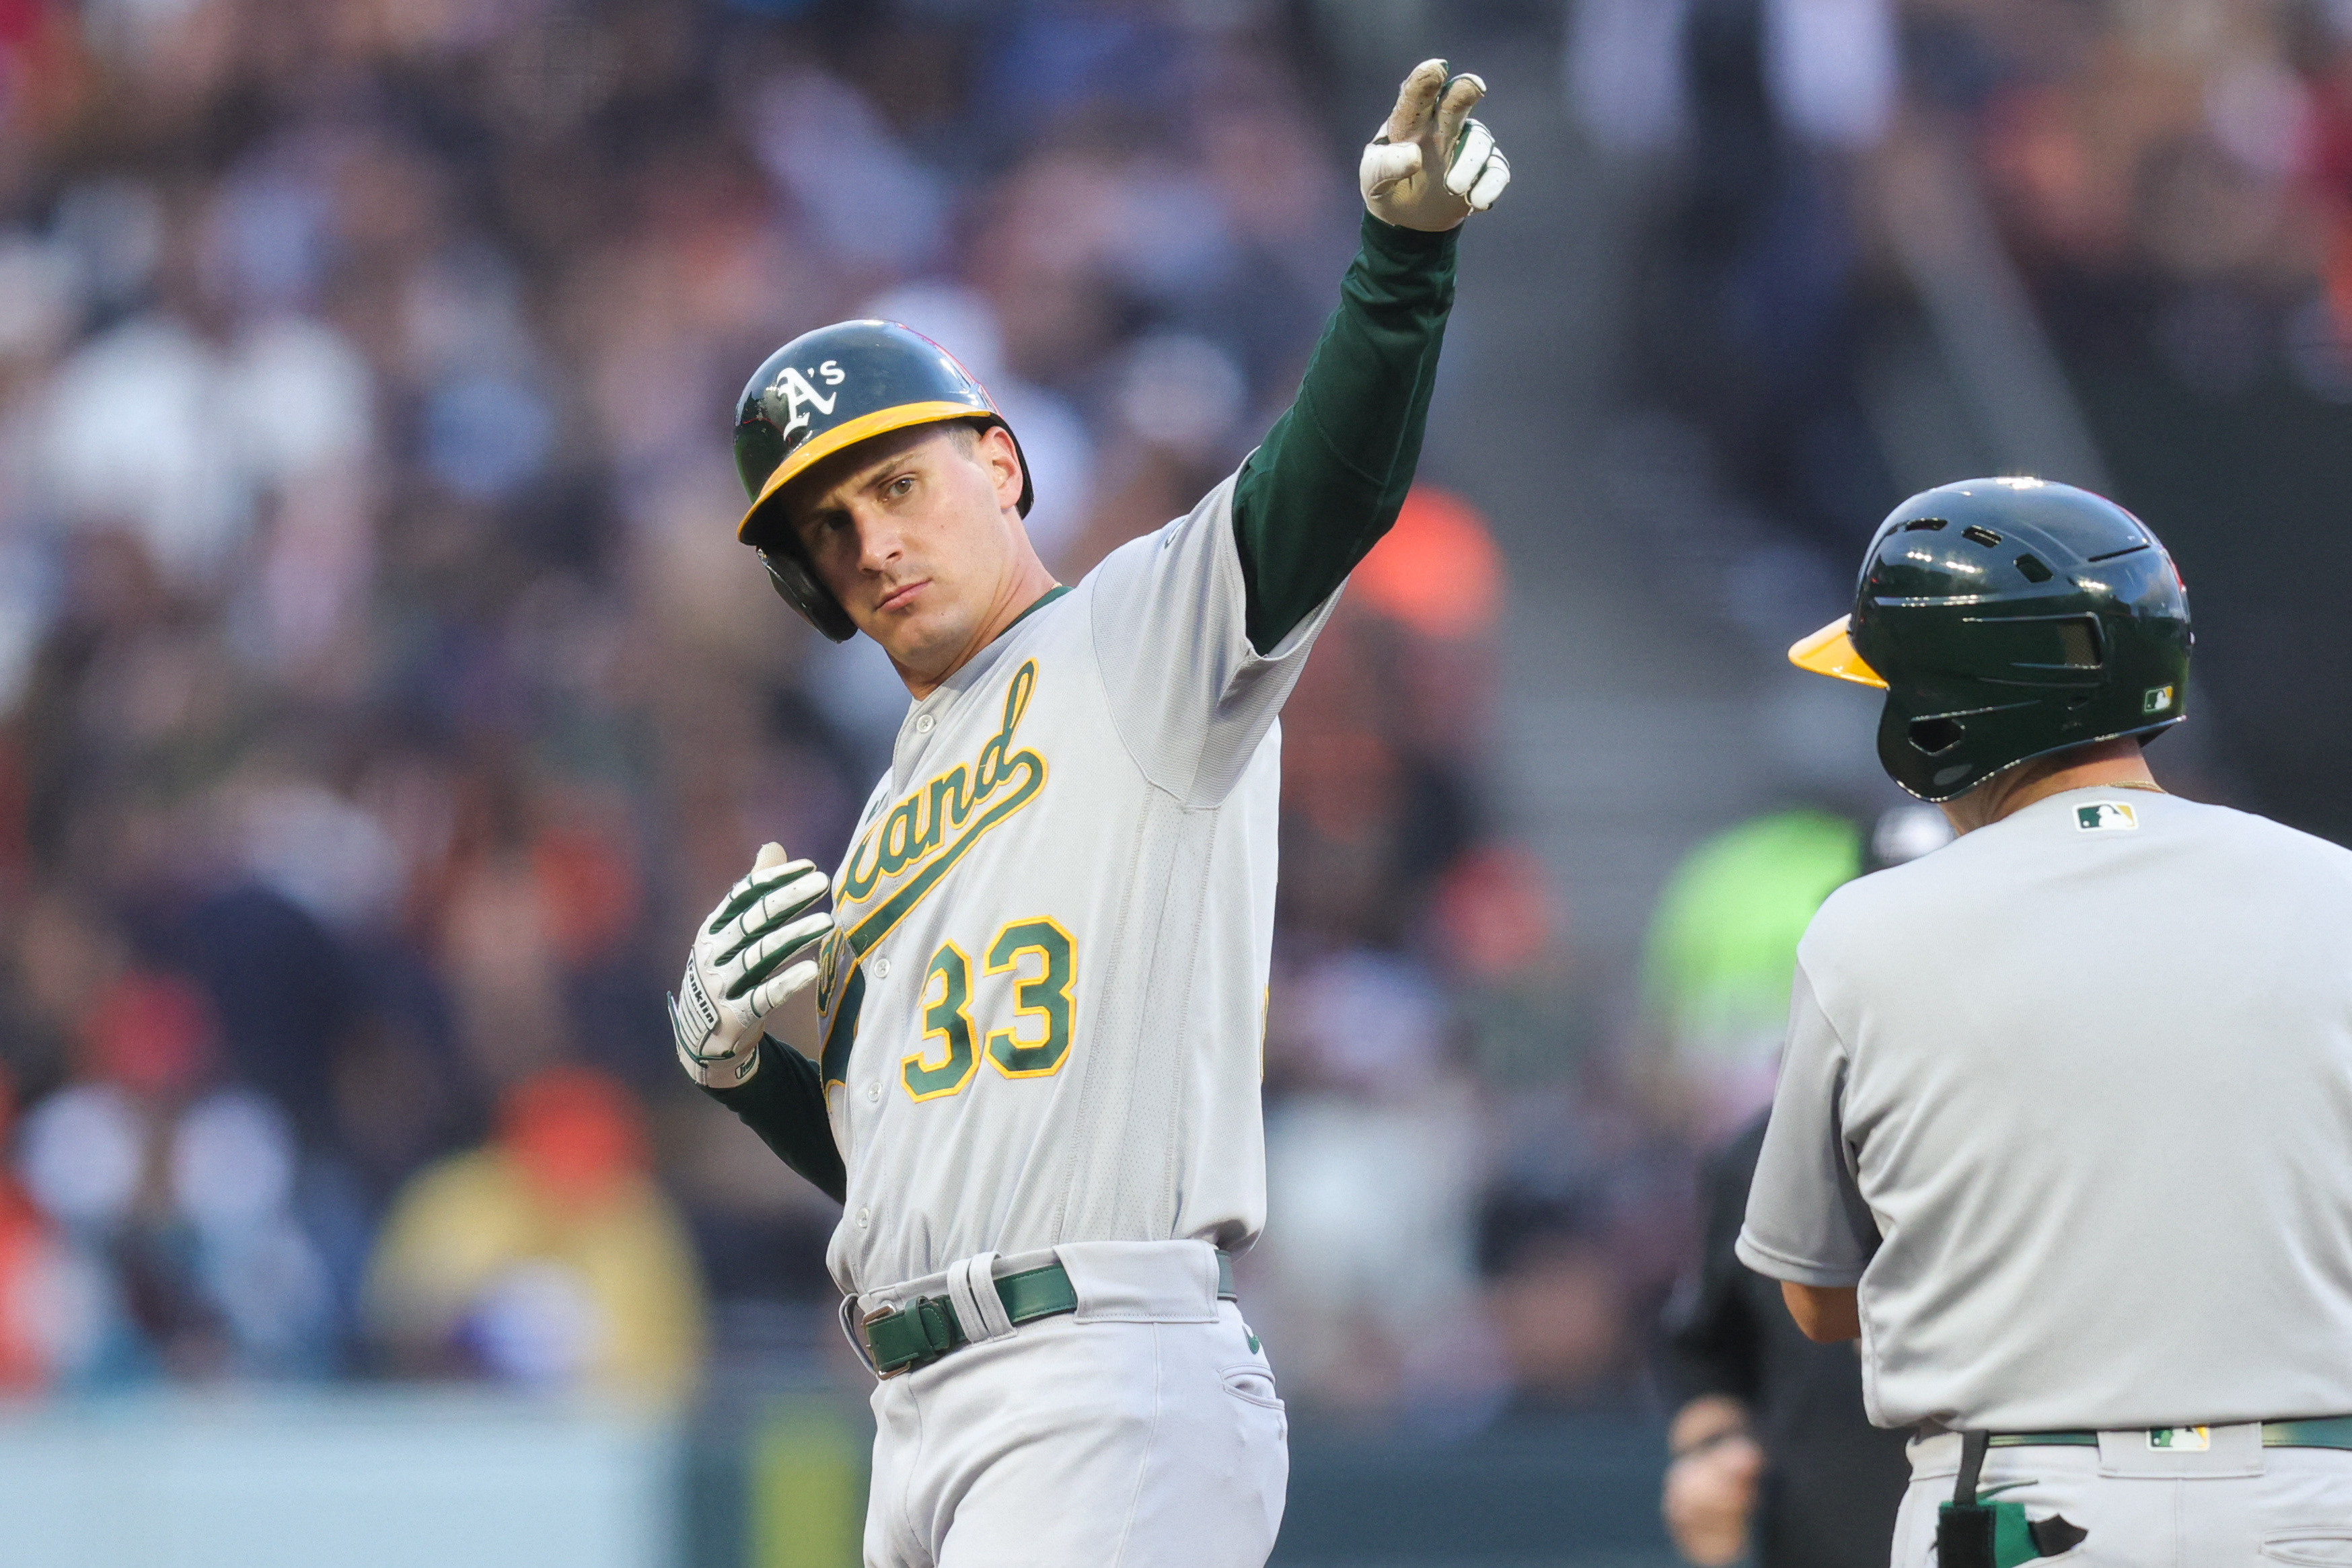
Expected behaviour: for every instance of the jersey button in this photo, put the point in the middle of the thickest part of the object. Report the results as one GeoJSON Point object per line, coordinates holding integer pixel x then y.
{"type": "Point", "coordinates": [874, 1093]}
{"type": "Point", "coordinates": [881, 968]}
{"type": "Point", "coordinates": [925, 723]}
{"type": "Point", "coordinates": [865, 1218]}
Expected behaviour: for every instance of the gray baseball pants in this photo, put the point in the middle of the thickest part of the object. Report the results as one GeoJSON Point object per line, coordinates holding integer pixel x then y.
{"type": "Point", "coordinates": [2235, 1504]}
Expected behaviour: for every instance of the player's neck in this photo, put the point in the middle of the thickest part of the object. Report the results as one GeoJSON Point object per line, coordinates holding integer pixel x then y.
{"type": "Point", "coordinates": [2112, 764]}
{"type": "Point", "coordinates": [1027, 582]}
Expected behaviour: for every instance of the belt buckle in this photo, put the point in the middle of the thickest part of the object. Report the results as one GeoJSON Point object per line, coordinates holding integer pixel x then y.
{"type": "Point", "coordinates": [865, 1327]}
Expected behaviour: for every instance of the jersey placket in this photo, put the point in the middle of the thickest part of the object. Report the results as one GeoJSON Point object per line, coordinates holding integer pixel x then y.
{"type": "Point", "coordinates": [870, 1104]}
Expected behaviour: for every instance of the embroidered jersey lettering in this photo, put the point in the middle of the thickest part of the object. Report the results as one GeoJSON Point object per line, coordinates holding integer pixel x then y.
{"type": "Point", "coordinates": [1040, 1006]}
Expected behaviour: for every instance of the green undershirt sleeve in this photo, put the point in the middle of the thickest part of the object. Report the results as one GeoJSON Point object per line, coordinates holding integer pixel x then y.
{"type": "Point", "coordinates": [784, 1104]}
{"type": "Point", "coordinates": [1326, 482]}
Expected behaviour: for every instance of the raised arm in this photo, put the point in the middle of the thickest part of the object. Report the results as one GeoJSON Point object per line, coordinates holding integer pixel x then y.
{"type": "Point", "coordinates": [1326, 482]}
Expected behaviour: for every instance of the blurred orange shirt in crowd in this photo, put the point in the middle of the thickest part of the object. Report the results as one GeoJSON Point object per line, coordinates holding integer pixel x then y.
{"type": "Point", "coordinates": [1437, 570]}
{"type": "Point", "coordinates": [547, 1257]}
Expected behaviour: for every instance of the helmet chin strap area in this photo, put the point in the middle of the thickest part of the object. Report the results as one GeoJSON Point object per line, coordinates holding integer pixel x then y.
{"type": "Point", "coordinates": [796, 584]}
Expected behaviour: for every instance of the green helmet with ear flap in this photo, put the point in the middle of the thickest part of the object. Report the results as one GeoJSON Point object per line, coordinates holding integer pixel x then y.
{"type": "Point", "coordinates": [2008, 619]}
{"type": "Point", "coordinates": [820, 393]}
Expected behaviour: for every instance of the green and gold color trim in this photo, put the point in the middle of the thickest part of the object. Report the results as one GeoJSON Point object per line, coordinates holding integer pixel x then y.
{"type": "Point", "coordinates": [848, 433]}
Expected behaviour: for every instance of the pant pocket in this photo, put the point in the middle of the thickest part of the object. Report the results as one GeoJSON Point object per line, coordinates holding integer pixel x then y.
{"type": "Point", "coordinates": [2320, 1546]}
{"type": "Point", "coordinates": [1254, 1386]}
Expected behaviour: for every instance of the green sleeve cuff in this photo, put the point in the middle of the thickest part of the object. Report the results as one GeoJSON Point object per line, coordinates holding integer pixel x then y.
{"type": "Point", "coordinates": [784, 1104]}
{"type": "Point", "coordinates": [1417, 250]}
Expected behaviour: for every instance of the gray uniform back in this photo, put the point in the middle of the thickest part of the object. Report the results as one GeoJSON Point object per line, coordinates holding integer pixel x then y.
{"type": "Point", "coordinates": [2071, 1102]}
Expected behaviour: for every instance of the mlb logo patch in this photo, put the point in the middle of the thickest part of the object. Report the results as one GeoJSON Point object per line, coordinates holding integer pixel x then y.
{"type": "Point", "coordinates": [2195, 1438]}
{"type": "Point", "coordinates": [2104, 817]}
{"type": "Point", "coordinates": [2156, 700]}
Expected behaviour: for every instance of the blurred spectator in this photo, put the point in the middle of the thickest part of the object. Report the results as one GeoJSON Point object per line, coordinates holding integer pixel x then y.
{"type": "Point", "coordinates": [1830, 66]}
{"type": "Point", "coordinates": [1722, 951]}
{"type": "Point", "coordinates": [547, 1259]}
{"type": "Point", "coordinates": [33, 1284]}
{"type": "Point", "coordinates": [1560, 1296]}
{"type": "Point", "coordinates": [1372, 1168]}
{"type": "Point", "coordinates": [173, 1203]}
{"type": "Point", "coordinates": [1773, 1457]}
{"type": "Point", "coordinates": [1752, 311]}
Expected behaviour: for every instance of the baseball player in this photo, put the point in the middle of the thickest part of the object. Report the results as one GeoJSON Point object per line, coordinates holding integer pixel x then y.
{"type": "Point", "coordinates": [2063, 1128]}
{"type": "Point", "coordinates": [1025, 1054]}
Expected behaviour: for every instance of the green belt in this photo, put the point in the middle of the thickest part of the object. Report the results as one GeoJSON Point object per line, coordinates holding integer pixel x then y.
{"type": "Point", "coordinates": [900, 1338]}
{"type": "Point", "coordinates": [2320, 1432]}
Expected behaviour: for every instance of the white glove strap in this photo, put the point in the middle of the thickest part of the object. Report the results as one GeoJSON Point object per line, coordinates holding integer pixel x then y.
{"type": "Point", "coordinates": [722, 1071]}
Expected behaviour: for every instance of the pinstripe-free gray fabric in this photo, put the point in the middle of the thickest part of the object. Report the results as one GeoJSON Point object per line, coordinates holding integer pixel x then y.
{"type": "Point", "coordinates": [2070, 1100]}
{"type": "Point", "coordinates": [2231, 1506]}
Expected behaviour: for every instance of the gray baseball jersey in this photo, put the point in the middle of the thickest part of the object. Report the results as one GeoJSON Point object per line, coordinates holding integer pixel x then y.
{"type": "Point", "coordinates": [2070, 1101]}
{"type": "Point", "coordinates": [1042, 1005]}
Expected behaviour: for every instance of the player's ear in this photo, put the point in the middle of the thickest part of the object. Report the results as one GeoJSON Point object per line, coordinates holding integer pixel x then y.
{"type": "Point", "coordinates": [1001, 458]}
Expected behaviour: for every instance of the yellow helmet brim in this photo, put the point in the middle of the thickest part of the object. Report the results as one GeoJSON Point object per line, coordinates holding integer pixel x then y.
{"type": "Point", "coordinates": [1831, 651]}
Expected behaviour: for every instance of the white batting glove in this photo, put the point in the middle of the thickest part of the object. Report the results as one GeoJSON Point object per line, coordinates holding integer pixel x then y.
{"type": "Point", "coordinates": [737, 974]}
{"type": "Point", "coordinates": [1429, 129]}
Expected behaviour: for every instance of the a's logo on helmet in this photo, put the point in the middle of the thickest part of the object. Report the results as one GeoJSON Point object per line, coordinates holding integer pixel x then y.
{"type": "Point", "coordinates": [800, 397]}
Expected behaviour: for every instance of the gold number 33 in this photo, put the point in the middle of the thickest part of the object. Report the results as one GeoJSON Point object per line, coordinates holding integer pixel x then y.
{"type": "Point", "coordinates": [1043, 959]}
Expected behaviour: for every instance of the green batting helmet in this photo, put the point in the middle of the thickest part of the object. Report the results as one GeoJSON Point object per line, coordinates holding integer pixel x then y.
{"type": "Point", "coordinates": [825, 390]}
{"type": "Point", "coordinates": [2008, 619]}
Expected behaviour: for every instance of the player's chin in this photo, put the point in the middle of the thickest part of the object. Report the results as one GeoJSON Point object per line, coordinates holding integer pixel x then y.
{"type": "Point", "coordinates": [914, 638]}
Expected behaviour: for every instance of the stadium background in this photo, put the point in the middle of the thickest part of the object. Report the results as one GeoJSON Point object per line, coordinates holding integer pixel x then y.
{"type": "Point", "coordinates": [381, 692]}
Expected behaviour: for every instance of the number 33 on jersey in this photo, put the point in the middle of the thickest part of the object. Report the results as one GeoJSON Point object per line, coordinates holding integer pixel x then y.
{"type": "Point", "coordinates": [1044, 997]}
{"type": "Point", "coordinates": [919, 842]}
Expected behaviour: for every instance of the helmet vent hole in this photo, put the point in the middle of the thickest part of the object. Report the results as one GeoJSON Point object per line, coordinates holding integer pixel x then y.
{"type": "Point", "coordinates": [2078, 644]}
{"type": "Point", "coordinates": [1982, 536]}
{"type": "Point", "coordinates": [1935, 737]}
{"type": "Point", "coordinates": [1918, 525]}
{"type": "Point", "coordinates": [2031, 567]}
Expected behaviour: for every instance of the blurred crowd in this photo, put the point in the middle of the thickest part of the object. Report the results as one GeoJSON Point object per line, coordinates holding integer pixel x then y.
{"type": "Point", "coordinates": [1892, 243]}
{"type": "Point", "coordinates": [2171, 180]}
{"type": "Point", "coordinates": [2176, 182]}
{"type": "Point", "coordinates": [382, 691]}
